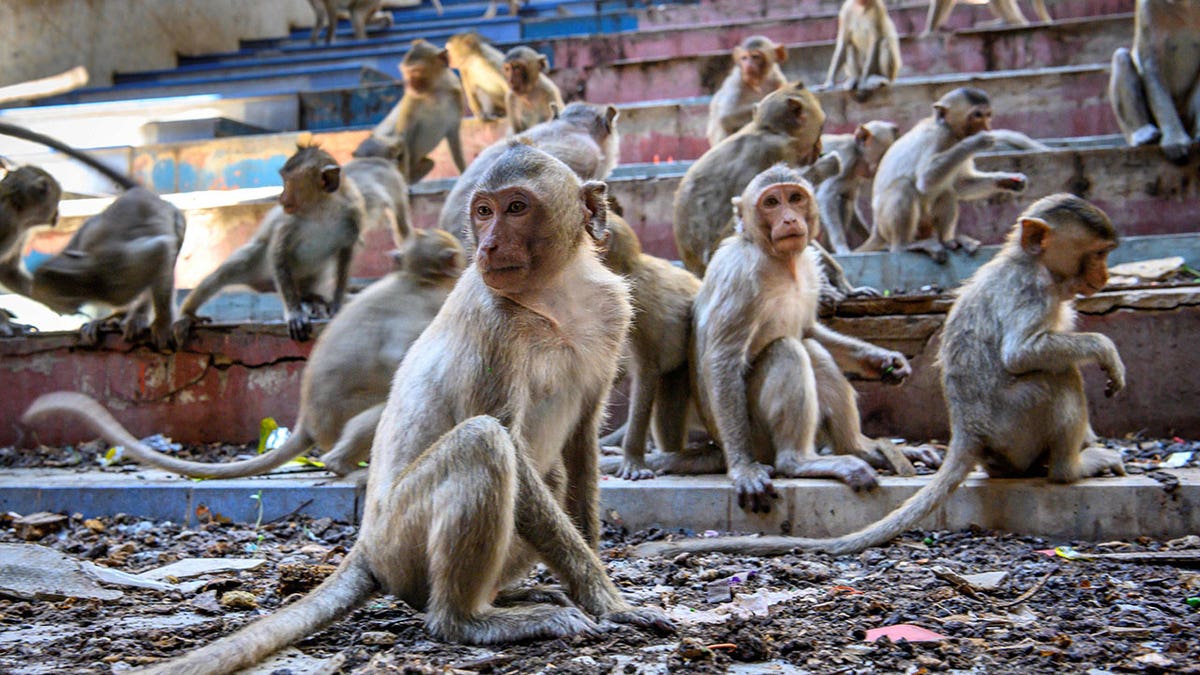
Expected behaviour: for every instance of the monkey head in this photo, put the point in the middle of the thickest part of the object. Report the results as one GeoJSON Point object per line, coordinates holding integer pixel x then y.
{"type": "Point", "coordinates": [460, 46]}
{"type": "Point", "coordinates": [755, 56]}
{"type": "Point", "coordinates": [32, 194]}
{"type": "Point", "coordinates": [430, 254]}
{"type": "Point", "coordinates": [621, 249]}
{"type": "Point", "coordinates": [794, 111]}
{"type": "Point", "coordinates": [599, 121]}
{"type": "Point", "coordinates": [307, 175]}
{"type": "Point", "coordinates": [777, 211]}
{"type": "Point", "coordinates": [1071, 239]}
{"type": "Point", "coordinates": [522, 66]}
{"type": "Point", "coordinates": [423, 64]}
{"type": "Point", "coordinates": [966, 111]}
{"type": "Point", "coordinates": [391, 147]}
{"type": "Point", "coordinates": [873, 140]}
{"type": "Point", "coordinates": [529, 215]}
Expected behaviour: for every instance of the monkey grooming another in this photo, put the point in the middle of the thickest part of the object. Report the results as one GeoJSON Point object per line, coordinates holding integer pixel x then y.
{"type": "Point", "coordinates": [1007, 11]}
{"type": "Point", "coordinates": [925, 173]}
{"type": "Point", "coordinates": [859, 154]}
{"type": "Point", "coordinates": [304, 239]}
{"type": "Point", "coordinates": [533, 97]}
{"type": "Point", "coordinates": [28, 198]}
{"type": "Point", "coordinates": [345, 381]}
{"type": "Point", "coordinates": [755, 74]}
{"type": "Point", "coordinates": [867, 48]}
{"type": "Point", "coordinates": [1010, 369]}
{"type": "Point", "coordinates": [485, 458]}
{"type": "Point", "coordinates": [1155, 89]}
{"type": "Point", "coordinates": [481, 67]}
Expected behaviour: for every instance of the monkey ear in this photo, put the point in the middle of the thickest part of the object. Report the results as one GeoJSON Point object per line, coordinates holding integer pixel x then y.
{"type": "Point", "coordinates": [331, 177]}
{"type": "Point", "coordinates": [940, 110]}
{"type": "Point", "coordinates": [610, 115]}
{"type": "Point", "coordinates": [543, 63]}
{"type": "Point", "coordinates": [737, 214]}
{"type": "Point", "coordinates": [595, 200]}
{"type": "Point", "coordinates": [1034, 233]}
{"type": "Point", "coordinates": [448, 262]}
{"type": "Point", "coordinates": [797, 108]}
{"type": "Point", "coordinates": [554, 111]}
{"type": "Point", "coordinates": [862, 134]}
{"type": "Point", "coordinates": [780, 53]}
{"type": "Point", "coordinates": [444, 57]}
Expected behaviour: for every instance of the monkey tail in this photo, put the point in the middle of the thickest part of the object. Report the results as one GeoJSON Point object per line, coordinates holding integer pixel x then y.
{"type": "Point", "coordinates": [97, 419]}
{"type": "Point", "coordinates": [960, 459]}
{"type": "Point", "coordinates": [345, 589]}
{"type": "Point", "coordinates": [9, 129]}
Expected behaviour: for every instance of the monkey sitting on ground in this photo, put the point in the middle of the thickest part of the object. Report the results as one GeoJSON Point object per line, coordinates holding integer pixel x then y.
{"type": "Point", "coordinates": [1010, 369]}
{"type": "Point", "coordinates": [533, 97]}
{"type": "Point", "coordinates": [361, 13]}
{"type": "Point", "coordinates": [302, 241]}
{"type": "Point", "coordinates": [1155, 89]}
{"type": "Point", "coordinates": [431, 109]}
{"type": "Point", "coordinates": [485, 458]}
{"type": "Point", "coordinates": [1006, 11]}
{"type": "Point", "coordinates": [755, 74]}
{"type": "Point", "coordinates": [867, 48]}
{"type": "Point", "coordinates": [481, 67]}
{"type": "Point", "coordinates": [928, 170]}
{"type": "Point", "coordinates": [345, 381]}
{"type": "Point", "coordinates": [859, 155]}
{"type": "Point", "coordinates": [28, 198]}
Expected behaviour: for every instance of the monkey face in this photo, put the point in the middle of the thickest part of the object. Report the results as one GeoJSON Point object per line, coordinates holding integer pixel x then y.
{"type": "Point", "coordinates": [753, 63]}
{"type": "Point", "coordinates": [1078, 259]}
{"type": "Point", "coordinates": [504, 222]}
{"type": "Point", "coordinates": [782, 213]}
{"type": "Point", "coordinates": [517, 76]}
{"type": "Point", "coordinates": [979, 119]}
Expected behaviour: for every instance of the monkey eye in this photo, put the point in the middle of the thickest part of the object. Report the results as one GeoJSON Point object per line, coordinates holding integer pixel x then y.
{"type": "Point", "coordinates": [771, 202]}
{"type": "Point", "coordinates": [483, 211]}
{"type": "Point", "coordinates": [798, 198]}
{"type": "Point", "coordinates": [516, 207]}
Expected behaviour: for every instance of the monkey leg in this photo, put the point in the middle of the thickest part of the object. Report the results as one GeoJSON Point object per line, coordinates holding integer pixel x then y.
{"type": "Point", "coordinates": [421, 167]}
{"type": "Point", "coordinates": [642, 388]}
{"type": "Point", "coordinates": [1128, 97]}
{"type": "Point", "coordinates": [353, 446]}
{"type": "Point", "coordinates": [939, 11]}
{"type": "Point", "coordinates": [672, 411]}
{"type": "Point", "coordinates": [1009, 12]}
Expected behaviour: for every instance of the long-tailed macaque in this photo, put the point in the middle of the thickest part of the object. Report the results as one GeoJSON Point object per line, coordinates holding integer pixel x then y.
{"type": "Point", "coordinates": [485, 458]}
{"type": "Point", "coordinates": [431, 109]}
{"type": "Point", "coordinates": [481, 67]}
{"type": "Point", "coordinates": [928, 170]}
{"type": "Point", "coordinates": [123, 257]}
{"type": "Point", "coordinates": [533, 97]}
{"type": "Point", "coordinates": [583, 135]}
{"type": "Point", "coordinates": [662, 297]}
{"type": "Point", "coordinates": [384, 193]}
{"type": "Point", "coordinates": [361, 13]}
{"type": "Point", "coordinates": [345, 381]}
{"type": "Point", "coordinates": [28, 198]}
{"type": "Point", "coordinates": [303, 241]}
{"type": "Point", "coordinates": [859, 154]}
{"type": "Point", "coordinates": [1155, 89]}
{"type": "Point", "coordinates": [755, 74]}
{"type": "Point", "coordinates": [1006, 11]}
{"type": "Point", "coordinates": [867, 48]}
{"type": "Point", "coordinates": [1010, 370]}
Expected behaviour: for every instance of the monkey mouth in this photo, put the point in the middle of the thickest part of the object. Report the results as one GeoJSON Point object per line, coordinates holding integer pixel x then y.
{"type": "Point", "coordinates": [289, 209]}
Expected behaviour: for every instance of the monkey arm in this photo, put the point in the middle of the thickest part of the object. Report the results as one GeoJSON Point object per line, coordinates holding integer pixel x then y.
{"type": "Point", "coordinates": [582, 461]}
{"type": "Point", "coordinates": [861, 358]}
{"type": "Point", "coordinates": [940, 168]}
{"type": "Point", "coordinates": [344, 256]}
{"type": "Point", "coordinates": [1024, 351]}
{"type": "Point", "coordinates": [839, 54]}
{"type": "Point", "coordinates": [971, 186]}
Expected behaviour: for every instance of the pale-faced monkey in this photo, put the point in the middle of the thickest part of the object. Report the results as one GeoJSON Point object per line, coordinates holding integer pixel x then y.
{"type": "Point", "coordinates": [859, 154]}
{"type": "Point", "coordinates": [1010, 370]}
{"type": "Point", "coordinates": [361, 13]}
{"type": "Point", "coordinates": [28, 198]}
{"type": "Point", "coordinates": [303, 241]}
{"type": "Point", "coordinates": [485, 458]}
{"type": "Point", "coordinates": [431, 109]}
{"type": "Point", "coordinates": [345, 381]}
{"type": "Point", "coordinates": [123, 257]}
{"type": "Point", "coordinates": [533, 97]}
{"type": "Point", "coordinates": [867, 48]}
{"type": "Point", "coordinates": [583, 135]}
{"type": "Point", "coordinates": [755, 74]}
{"type": "Point", "coordinates": [662, 297]}
{"type": "Point", "coordinates": [1006, 11]}
{"type": "Point", "coordinates": [1155, 90]}
{"type": "Point", "coordinates": [928, 170]}
{"type": "Point", "coordinates": [482, 69]}
{"type": "Point", "coordinates": [385, 195]}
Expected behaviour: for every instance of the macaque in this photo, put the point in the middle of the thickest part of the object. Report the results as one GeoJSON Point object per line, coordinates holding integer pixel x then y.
{"type": "Point", "coordinates": [583, 135]}
{"type": "Point", "coordinates": [484, 460]}
{"type": "Point", "coordinates": [514, 7]}
{"type": "Point", "coordinates": [1155, 89]}
{"type": "Point", "coordinates": [431, 109]}
{"type": "Point", "coordinates": [1010, 370]}
{"type": "Point", "coordinates": [928, 170]}
{"type": "Point", "coordinates": [345, 381]}
{"type": "Point", "coordinates": [384, 193]}
{"type": "Point", "coordinates": [391, 148]}
{"type": "Point", "coordinates": [755, 74]}
{"type": "Point", "coordinates": [481, 67]}
{"type": "Point", "coordinates": [302, 241]}
{"type": "Point", "coordinates": [1006, 11]}
{"type": "Point", "coordinates": [662, 297]}
{"type": "Point", "coordinates": [786, 128]}
{"type": "Point", "coordinates": [859, 154]}
{"type": "Point", "coordinates": [360, 12]}
{"type": "Point", "coordinates": [533, 97]}
{"type": "Point", "coordinates": [867, 48]}
{"type": "Point", "coordinates": [28, 198]}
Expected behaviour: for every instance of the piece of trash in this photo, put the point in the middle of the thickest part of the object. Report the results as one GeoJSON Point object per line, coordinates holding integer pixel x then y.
{"type": "Point", "coordinates": [710, 533]}
{"type": "Point", "coordinates": [847, 590]}
{"type": "Point", "coordinates": [1176, 460]}
{"type": "Point", "coordinates": [1155, 661]}
{"type": "Point", "coordinates": [303, 460]}
{"type": "Point", "coordinates": [1046, 552]}
{"type": "Point", "coordinates": [904, 631]}
{"type": "Point", "coordinates": [928, 541]}
{"type": "Point", "coordinates": [718, 591]}
{"type": "Point", "coordinates": [112, 456]}
{"type": "Point", "coordinates": [37, 525]}
{"type": "Point", "coordinates": [194, 567]}
{"type": "Point", "coordinates": [1194, 603]}
{"type": "Point", "coordinates": [1069, 553]}
{"type": "Point", "coordinates": [985, 581]}
{"type": "Point", "coordinates": [270, 434]}
{"type": "Point", "coordinates": [162, 444]}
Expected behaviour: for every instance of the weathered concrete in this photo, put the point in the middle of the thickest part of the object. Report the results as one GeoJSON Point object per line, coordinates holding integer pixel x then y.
{"type": "Point", "coordinates": [1098, 509]}
{"type": "Point", "coordinates": [710, 11]}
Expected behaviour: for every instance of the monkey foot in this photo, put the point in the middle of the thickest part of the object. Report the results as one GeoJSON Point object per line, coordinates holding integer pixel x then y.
{"type": "Point", "coordinates": [754, 488]}
{"type": "Point", "coordinates": [544, 595]}
{"type": "Point", "coordinates": [631, 470]}
{"type": "Point", "coordinates": [648, 618]}
{"type": "Point", "coordinates": [10, 328]}
{"type": "Point", "coordinates": [1097, 461]}
{"type": "Point", "coordinates": [1147, 135]}
{"type": "Point", "coordinates": [1176, 152]}
{"type": "Point", "coordinates": [181, 330]}
{"type": "Point", "coordinates": [925, 454]}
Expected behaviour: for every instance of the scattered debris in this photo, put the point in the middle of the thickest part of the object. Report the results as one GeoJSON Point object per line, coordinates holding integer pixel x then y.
{"type": "Point", "coordinates": [238, 600]}
{"type": "Point", "coordinates": [37, 525]}
{"type": "Point", "coordinates": [31, 572]}
{"type": "Point", "coordinates": [904, 631]}
{"type": "Point", "coordinates": [194, 567]}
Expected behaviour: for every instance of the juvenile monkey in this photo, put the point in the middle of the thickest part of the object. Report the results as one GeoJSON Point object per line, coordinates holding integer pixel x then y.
{"type": "Point", "coordinates": [361, 13]}
{"type": "Point", "coordinates": [28, 198]}
{"type": "Point", "coordinates": [928, 170]}
{"type": "Point", "coordinates": [431, 109]}
{"type": "Point", "coordinates": [755, 74]}
{"type": "Point", "coordinates": [867, 48]}
{"type": "Point", "coordinates": [345, 381]}
{"type": "Point", "coordinates": [1155, 89]}
{"type": "Point", "coordinates": [662, 297]}
{"type": "Point", "coordinates": [1006, 11]}
{"type": "Point", "coordinates": [859, 154]}
{"type": "Point", "coordinates": [385, 195]}
{"type": "Point", "coordinates": [533, 97]}
{"type": "Point", "coordinates": [302, 241]}
{"type": "Point", "coordinates": [1010, 369]}
{"type": "Point", "coordinates": [482, 69]}
{"type": "Point", "coordinates": [485, 458]}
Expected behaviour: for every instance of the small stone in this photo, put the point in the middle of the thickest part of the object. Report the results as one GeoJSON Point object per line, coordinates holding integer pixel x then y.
{"type": "Point", "coordinates": [1155, 661]}
{"type": "Point", "coordinates": [378, 637]}
{"type": "Point", "coordinates": [239, 600]}
{"type": "Point", "coordinates": [94, 525]}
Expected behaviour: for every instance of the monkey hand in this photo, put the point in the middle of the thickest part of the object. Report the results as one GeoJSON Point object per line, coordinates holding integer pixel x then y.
{"type": "Point", "coordinates": [926, 454]}
{"type": "Point", "coordinates": [299, 327]}
{"type": "Point", "coordinates": [648, 618]}
{"type": "Point", "coordinates": [864, 292]}
{"type": "Point", "coordinates": [181, 330]}
{"type": "Point", "coordinates": [1013, 182]}
{"type": "Point", "coordinates": [1146, 135]}
{"type": "Point", "coordinates": [1116, 374]}
{"type": "Point", "coordinates": [981, 141]}
{"type": "Point", "coordinates": [754, 488]}
{"type": "Point", "coordinates": [890, 367]}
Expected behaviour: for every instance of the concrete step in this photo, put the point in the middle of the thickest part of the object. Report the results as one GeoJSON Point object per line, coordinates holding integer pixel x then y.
{"type": "Point", "coordinates": [1099, 509]}
{"type": "Point", "coordinates": [715, 11]}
